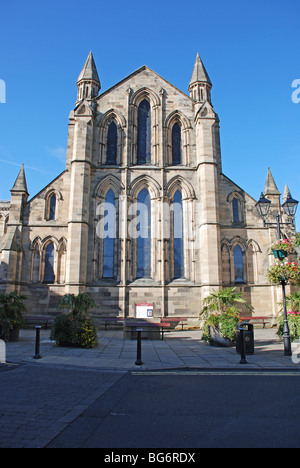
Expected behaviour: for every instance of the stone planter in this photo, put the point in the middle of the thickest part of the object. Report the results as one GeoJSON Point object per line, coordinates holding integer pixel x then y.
{"type": "Point", "coordinates": [217, 340]}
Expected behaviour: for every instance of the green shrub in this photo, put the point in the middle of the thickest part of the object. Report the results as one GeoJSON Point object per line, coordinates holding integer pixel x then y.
{"type": "Point", "coordinates": [73, 330]}
{"type": "Point", "coordinates": [294, 325]}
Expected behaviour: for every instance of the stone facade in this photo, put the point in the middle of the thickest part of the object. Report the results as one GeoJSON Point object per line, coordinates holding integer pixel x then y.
{"type": "Point", "coordinates": [53, 243]}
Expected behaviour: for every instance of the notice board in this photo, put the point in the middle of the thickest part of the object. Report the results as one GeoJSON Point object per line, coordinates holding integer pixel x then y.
{"type": "Point", "coordinates": [144, 311]}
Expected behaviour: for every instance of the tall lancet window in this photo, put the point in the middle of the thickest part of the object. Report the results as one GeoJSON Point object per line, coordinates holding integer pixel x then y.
{"type": "Point", "coordinates": [178, 236]}
{"type": "Point", "coordinates": [112, 144]}
{"type": "Point", "coordinates": [144, 235]}
{"type": "Point", "coordinates": [238, 264]}
{"type": "Point", "coordinates": [144, 133]}
{"type": "Point", "coordinates": [176, 144]}
{"type": "Point", "coordinates": [49, 276]}
{"type": "Point", "coordinates": [52, 207]}
{"type": "Point", "coordinates": [109, 236]}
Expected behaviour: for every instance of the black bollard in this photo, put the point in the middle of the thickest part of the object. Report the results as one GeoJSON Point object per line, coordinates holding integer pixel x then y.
{"type": "Point", "coordinates": [139, 361]}
{"type": "Point", "coordinates": [37, 343]}
{"type": "Point", "coordinates": [243, 347]}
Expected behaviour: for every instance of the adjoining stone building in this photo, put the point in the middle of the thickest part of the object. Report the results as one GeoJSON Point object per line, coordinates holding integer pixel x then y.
{"type": "Point", "coordinates": [141, 144]}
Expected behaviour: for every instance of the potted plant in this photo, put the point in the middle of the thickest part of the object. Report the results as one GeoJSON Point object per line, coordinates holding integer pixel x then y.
{"type": "Point", "coordinates": [222, 315]}
{"type": "Point", "coordinates": [75, 328]}
{"type": "Point", "coordinates": [283, 272]}
{"type": "Point", "coordinates": [11, 315]}
{"type": "Point", "coordinates": [219, 329]}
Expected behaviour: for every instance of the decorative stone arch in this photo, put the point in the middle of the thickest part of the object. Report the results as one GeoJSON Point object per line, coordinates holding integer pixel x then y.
{"type": "Point", "coordinates": [103, 123]}
{"type": "Point", "coordinates": [226, 262]}
{"type": "Point", "coordinates": [36, 252]}
{"type": "Point", "coordinates": [43, 244]}
{"type": "Point", "coordinates": [253, 251]}
{"type": "Point", "coordinates": [144, 93]}
{"type": "Point", "coordinates": [147, 182]}
{"type": "Point", "coordinates": [61, 260]}
{"type": "Point", "coordinates": [238, 241]}
{"type": "Point", "coordinates": [50, 239]}
{"type": "Point", "coordinates": [108, 182]}
{"type": "Point", "coordinates": [135, 100]}
{"type": "Point", "coordinates": [36, 243]}
{"type": "Point", "coordinates": [180, 183]}
{"type": "Point", "coordinates": [185, 125]}
{"type": "Point", "coordinates": [236, 195]}
{"type": "Point", "coordinates": [58, 199]}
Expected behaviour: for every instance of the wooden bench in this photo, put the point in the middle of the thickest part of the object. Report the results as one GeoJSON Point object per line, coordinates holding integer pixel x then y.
{"type": "Point", "coordinates": [108, 320]}
{"type": "Point", "coordinates": [175, 319]}
{"type": "Point", "coordinates": [134, 325]}
{"type": "Point", "coordinates": [36, 320]}
{"type": "Point", "coordinates": [257, 320]}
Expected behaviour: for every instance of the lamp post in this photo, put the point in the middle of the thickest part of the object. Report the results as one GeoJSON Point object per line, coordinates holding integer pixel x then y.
{"type": "Point", "coordinates": [290, 207]}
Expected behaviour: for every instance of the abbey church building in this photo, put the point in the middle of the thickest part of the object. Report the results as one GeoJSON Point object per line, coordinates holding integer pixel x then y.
{"type": "Point", "coordinates": [142, 213]}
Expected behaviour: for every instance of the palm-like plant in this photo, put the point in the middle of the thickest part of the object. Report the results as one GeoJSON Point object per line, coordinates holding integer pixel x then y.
{"type": "Point", "coordinates": [79, 304]}
{"type": "Point", "coordinates": [11, 312]}
{"type": "Point", "coordinates": [293, 300]}
{"type": "Point", "coordinates": [220, 301]}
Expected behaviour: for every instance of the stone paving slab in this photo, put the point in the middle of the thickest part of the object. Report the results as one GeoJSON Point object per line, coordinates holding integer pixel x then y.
{"type": "Point", "coordinates": [179, 349]}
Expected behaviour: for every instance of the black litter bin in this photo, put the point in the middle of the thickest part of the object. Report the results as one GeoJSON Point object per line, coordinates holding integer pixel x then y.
{"type": "Point", "coordinates": [248, 336]}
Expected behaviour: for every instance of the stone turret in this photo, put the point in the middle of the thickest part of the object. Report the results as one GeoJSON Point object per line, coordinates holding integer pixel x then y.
{"type": "Point", "coordinates": [200, 84]}
{"type": "Point", "coordinates": [88, 82]}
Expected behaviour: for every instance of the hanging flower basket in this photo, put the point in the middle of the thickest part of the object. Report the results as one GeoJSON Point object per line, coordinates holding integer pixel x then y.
{"type": "Point", "coordinates": [284, 272]}
{"type": "Point", "coordinates": [283, 245]}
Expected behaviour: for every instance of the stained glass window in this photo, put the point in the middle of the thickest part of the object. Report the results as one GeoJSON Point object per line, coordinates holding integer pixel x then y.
{"type": "Point", "coordinates": [235, 209]}
{"type": "Point", "coordinates": [49, 276]}
{"type": "Point", "coordinates": [52, 207]}
{"type": "Point", "coordinates": [109, 235]}
{"type": "Point", "coordinates": [112, 139]}
{"type": "Point", "coordinates": [144, 235]}
{"type": "Point", "coordinates": [238, 264]}
{"type": "Point", "coordinates": [178, 236]}
{"type": "Point", "coordinates": [176, 144]}
{"type": "Point", "coordinates": [144, 133]}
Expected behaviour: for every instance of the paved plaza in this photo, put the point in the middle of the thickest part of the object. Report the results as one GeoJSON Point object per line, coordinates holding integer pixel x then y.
{"type": "Point", "coordinates": [179, 349]}
{"type": "Point", "coordinates": [98, 397]}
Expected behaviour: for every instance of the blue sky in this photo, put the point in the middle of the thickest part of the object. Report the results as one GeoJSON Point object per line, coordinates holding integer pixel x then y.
{"type": "Point", "coordinates": [250, 50]}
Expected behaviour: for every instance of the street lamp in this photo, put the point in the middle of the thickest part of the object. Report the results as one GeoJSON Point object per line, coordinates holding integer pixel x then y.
{"type": "Point", "coordinates": [290, 207]}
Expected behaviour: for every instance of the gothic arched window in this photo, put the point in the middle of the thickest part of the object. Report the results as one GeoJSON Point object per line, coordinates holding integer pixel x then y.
{"type": "Point", "coordinates": [52, 207]}
{"type": "Point", "coordinates": [112, 144]}
{"type": "Point", "coordinates": [176, 144]}
{"type": "Point", "coordinates": [235, 210]}
{"type": "Point", "coordinates": [109, 235]}
{"type": "Point", "coordinates": [238, 264]}
{"type": "Point", "coordinates": [178, 236]}
{"type": "Point", "coordinates": [49, 276]}
{"type": "Point", "coordinates": [144, 235]}
{"type": "Point", "coordinates": [144, 133]}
